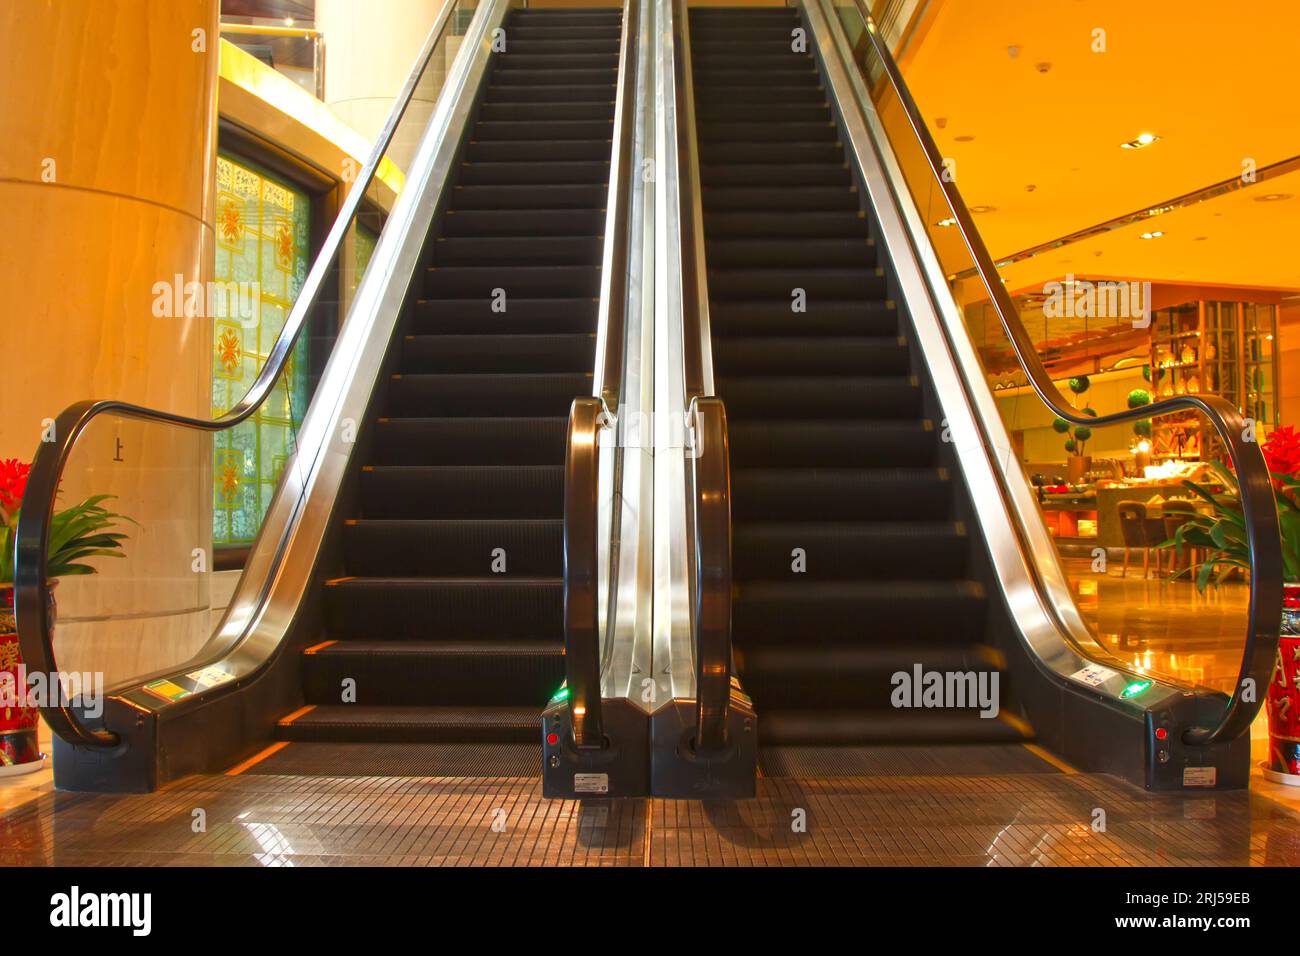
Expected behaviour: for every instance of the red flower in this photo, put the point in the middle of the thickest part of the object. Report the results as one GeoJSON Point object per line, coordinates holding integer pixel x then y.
{"type": "Point", "coordinates": [1282, 454]}
{"type": "Point", "coordinates": [13, 482]}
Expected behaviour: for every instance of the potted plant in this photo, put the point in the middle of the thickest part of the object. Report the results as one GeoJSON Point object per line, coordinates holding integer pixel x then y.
{"type": "Point", "coordinates": [1078, 463]}
{"type": "Point", "coordinates": [85, 530]}
{"type": "Point", "coordinates": [1222, 534]}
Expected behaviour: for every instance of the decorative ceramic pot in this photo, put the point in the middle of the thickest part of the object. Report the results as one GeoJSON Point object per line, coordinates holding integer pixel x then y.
{"type": "Point", "coordinates": [19, 752]}
{"type": "Point", "coordinates": [1284, 697]}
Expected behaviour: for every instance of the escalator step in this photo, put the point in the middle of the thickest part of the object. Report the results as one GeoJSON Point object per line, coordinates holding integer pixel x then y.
{"type": "Point", "coordinates": [840, 494]}
{"type": "Point", "coordinates": [772, 199]}
{"type": "Point", "coordinates": [538, 151]}
{"type": "Point", "coordinates": [565, 33]}
{"type": "Point", "coordinates": [558, 196]}
{"type": "Point", "coordinates": [757, 132]}
{"type": "Point", "coordinates": [826, 355]}
{"type": "Point", "coordinates": [533, 173]}
{"type": "Point", "coordinates": [774, 225]}
{"type": "Point", "coordinates": [738, 317]}
{"type": "Point", "coordinates": [784, 253]}
{"type": "Point", "coordinates": [723, 76]}
{"type": "Point", "coordinates": [476, 395]}
{"type": "Point", "coordinates": [462, 491]}
{"type": "Point", "coordinates": [820, 396]}
{"type": "Point", "coordinates": [860, 676]}
{"type": "Point", "coordinates": [470, 441]}
{"type": "Point", "coordinates": [848, 550]}
{"type": "Point", "coordinates": [546, 128]}
{"type": "Point", "coordinates": [831, 444]}
{"type": "Point", "coordinates": [426, 548]}
{"type": "Point", "coordinates": [529, 282]}
{"type": "Point", "coordinates": [900, 727]}
{"type": "Point", "coordinates": [406, 673]}
{"type": "Point", "coordinates": [513, 60]}
{"type": "Point", "coordinates": [818, 612]}
{"type": "Point", "coordinates": [555, 45]}
{"type": "Point", "coordinates": [711, 47]}
{"type": "Point", "coordinates": [717, 153]}
{"type": "Point", "coordinates": [780, 283]}
{"type": "Point", "coordinates": [410, 608]}
{"type": "Point", "coordinates": [359, 723]}
{"type": "Point", "coordinates": [530, 222]}
{"type": "Point", "coordinates": [599, 111]}
{"type": "Point", "coordinates": [768, 174]}
{"type": "Point", "coordinates": [520, 315]}
{"type": "Point", "coordinates": [569, 352]}
{"type": "Point", "coordinates": [812, 114]}
{"type": "Point", "coordinates": [516, 92]}
{"type": "Point", "coordinates": [592, 80]}
{"type": "Point", "coordinates": [750, 94]}
{"type": "Point", "coordinates": [516, 250]}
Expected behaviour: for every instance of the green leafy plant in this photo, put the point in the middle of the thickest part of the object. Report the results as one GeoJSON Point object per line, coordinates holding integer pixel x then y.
{"type": "Point", "coordinates": [85, 530]}
{"type": "Point", "coordinates": [1222, 533]}
{"type": "Point", "coordinates": [1139, 397]}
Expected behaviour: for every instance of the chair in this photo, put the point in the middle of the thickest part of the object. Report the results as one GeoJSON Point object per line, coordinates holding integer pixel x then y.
{"type": "Point", "coordinates": [1176, 512]}
{"type": "Point", "coordinates": [1139, 531]}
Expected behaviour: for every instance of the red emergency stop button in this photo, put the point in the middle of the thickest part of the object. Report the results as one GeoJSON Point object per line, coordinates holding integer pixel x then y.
{"type": "Point", "coordinates": [1161, 733]}
{"type": "Point", "coordinates": [552, 738]}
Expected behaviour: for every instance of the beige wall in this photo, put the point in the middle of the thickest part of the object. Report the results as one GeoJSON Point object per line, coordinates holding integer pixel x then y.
{"type": "Point", "coordinates": [106, 168]}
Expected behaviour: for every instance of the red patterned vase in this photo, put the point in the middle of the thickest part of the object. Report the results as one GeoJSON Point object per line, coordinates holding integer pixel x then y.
{"type": "Point", "coordinates": [19, 752]}
{"type": "Point", "coordinates": [1283, 695]}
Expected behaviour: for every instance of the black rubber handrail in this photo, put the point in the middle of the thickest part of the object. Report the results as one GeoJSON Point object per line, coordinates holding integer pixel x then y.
{"type": "Point", "coordinates": [34, 624]}
{"type": "Point", "coordinates": [1258, 505]}
{"type": "Point", "coordinates": [710, 476]}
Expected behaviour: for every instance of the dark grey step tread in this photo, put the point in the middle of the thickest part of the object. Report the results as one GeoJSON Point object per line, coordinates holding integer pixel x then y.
{"type": "Point", "coordinates": [537, 151]}
{"type": "Point", "coordinates": [823, 396]}
{"type": "Point", "coordinates": [831, 442]}
{"type": "Point", "coordinates": [775, 225]}
{"type": "Point", "coordinates": [530, 250]}
{"type": "Point", "coordinates": [551, 196]}
{"type": "Point", "coordinates": [517, 59]}
{"type": "Point", "coordinates": [519, 353]}
{"type": "Point", "coordinates": [781, 355]}
{"type": "Point", "coordinates": [408, 492]}
{"type": "Point", "coordinates": [560, 281]}
{"type": "Point", "coordinates": [745, 93]}
{"type": "Point", "coordinates": [351, 715]}
{"type": "Point", "coordinates": [552, 223]}
{"type": "Point", "coordinates": [592, 79]}
{"type": "Point", "coordinates": [522, 316]}
{"type": "Point", "coordinates": [532, 173]}
{"type": "Point", "coordinates": [723, 252]}
{"type": "Point", "coordinates": [512, 92]}
{"type": "Point", "coordinates": [796, 660]}
{"type": "Point", "coordinates": [738, 318]}
{"type": "Point", "coordinates": [465, 440]}
{"type": "Point", "coordinates": [765, 533]}
{"type": "Point", "coordinates": [774, 198]}
{"type": "Point", "coordinates": [894, 726]}
{"type": "Point", "coordinates": [820, 594]}
{"type": "Point", "coordinates": [491, 647]}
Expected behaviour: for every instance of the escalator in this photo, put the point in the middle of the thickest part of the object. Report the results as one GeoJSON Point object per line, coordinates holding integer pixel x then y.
{"type": "Point", "coordinates": [448, 620]}
{"type": "Point", "coordinates": [853, 560]}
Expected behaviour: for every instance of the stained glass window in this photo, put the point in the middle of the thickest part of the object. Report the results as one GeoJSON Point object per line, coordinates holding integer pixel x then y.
{"type": "Point", "coordinates": [263, 244]}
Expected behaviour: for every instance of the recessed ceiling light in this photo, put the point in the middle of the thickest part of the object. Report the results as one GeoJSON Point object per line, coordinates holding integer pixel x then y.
{"type": "Point", "coordinates": [1142, 142]}
{"type": "Point", "coordinates": [981, 210]}
{"type": "Point", "coordinates": [1152, 235]}
{"type": "Point", "coordinates": [965, 139]}
{"type": "Point", "coordinates": [1274, 197]}
{"type": "Point", "coordinates": [945, 223]}
{"type": "Point", "coordinates": [288, 21]}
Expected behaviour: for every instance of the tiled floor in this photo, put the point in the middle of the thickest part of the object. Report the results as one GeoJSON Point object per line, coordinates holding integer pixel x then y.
{"type": "Point", "coordinates": [1014, 819]}
{"type": "Point", "coordinates": [862, 816]}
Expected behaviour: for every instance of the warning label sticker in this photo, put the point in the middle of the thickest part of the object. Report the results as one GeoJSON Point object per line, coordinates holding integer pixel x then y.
{"type": "Point", "coordinates": [591, 783]}
{"type": "Point", "coordinates": [1200, 776]}
{"type": "Point", "coordinates": [1094, 675]}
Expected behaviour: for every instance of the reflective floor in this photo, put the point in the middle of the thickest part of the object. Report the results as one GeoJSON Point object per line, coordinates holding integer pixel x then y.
{"type": "Point", "coordinates": [869, 806]}
{"type": "Point", "coordinates": [1033, 815]}
{"type": "Point", "coordinates": [1164, 627]}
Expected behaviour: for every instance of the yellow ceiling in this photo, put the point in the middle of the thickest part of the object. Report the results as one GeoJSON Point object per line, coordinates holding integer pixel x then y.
{"type": "Point", "coordinates": [1217, 87]}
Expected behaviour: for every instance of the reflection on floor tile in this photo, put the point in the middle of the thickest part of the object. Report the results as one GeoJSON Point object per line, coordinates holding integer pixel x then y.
{"type": "Point", "coordinates": [1019, 819]}
{"type": "Point", "coordinates": [1164, 627]}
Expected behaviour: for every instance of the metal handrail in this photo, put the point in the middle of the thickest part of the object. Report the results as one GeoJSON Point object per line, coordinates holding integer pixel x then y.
{"type": "Point", "coordinates": [709, 479]}
{"type": "Point", "coordinates": [34, 623]}
{"type": "Point", "coordinates": [1258, 505]}
{"type": "Point", "coordinates": [583, 661]}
